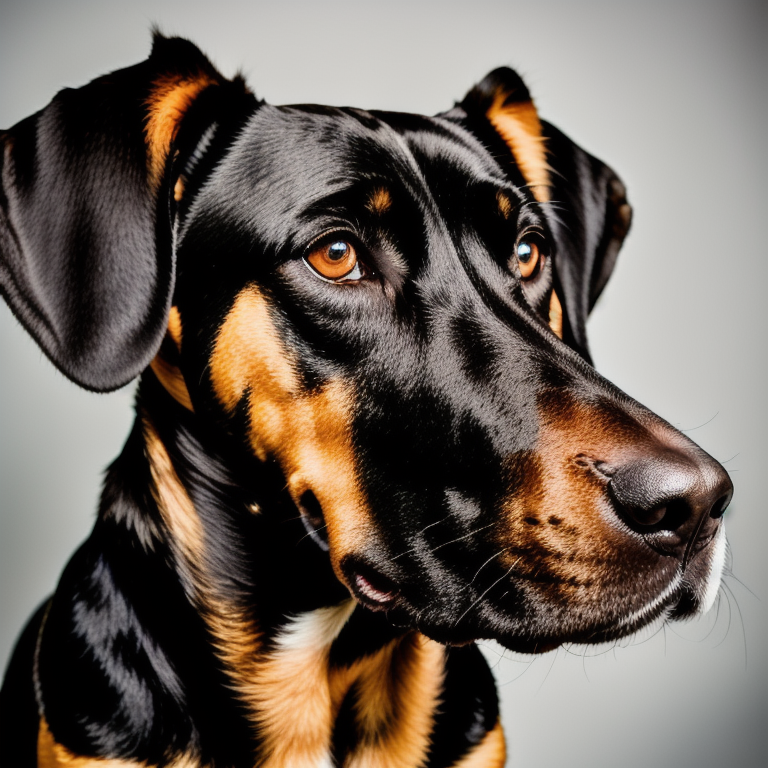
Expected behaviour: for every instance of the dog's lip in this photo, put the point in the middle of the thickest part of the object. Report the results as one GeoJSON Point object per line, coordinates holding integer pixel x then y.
{"type": "Point", "coordinates": [370, 593]}
{"type": "Point", "coordinates": [369, 586]}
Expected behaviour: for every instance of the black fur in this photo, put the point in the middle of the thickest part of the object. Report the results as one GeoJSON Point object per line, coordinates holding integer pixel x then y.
{"type": "Point", "coordinates": [466, 409]}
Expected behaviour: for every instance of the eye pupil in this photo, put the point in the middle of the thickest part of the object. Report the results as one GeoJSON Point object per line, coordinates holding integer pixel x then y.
{"type": "Point", "coordinates": [337, 250]}
{"type": "Point", "coordinates": [336, 260]}
{"type": "Point", "coordinates": [529, 259]}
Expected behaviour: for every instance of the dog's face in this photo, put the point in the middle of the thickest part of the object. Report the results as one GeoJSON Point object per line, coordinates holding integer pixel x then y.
{"type": "Point", "coordinates": [391, 308]}
{"type": "Point", "coordinates": [385, 334]}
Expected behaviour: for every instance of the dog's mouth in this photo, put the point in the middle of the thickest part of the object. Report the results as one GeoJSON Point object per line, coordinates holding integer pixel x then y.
{"type": "Point", "coordinates": [545, 586]}
{"type": "Point", "coordinates": [371, 588]}
{"type": "Point", "coordinates": [533, 616]}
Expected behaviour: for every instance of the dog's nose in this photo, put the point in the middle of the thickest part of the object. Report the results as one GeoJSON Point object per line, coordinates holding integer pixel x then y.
{"type": "Point", "coordinates": [672, 492]}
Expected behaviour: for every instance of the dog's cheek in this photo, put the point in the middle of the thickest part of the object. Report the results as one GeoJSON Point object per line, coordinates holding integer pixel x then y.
{"type": "Point", "coordinates": [552, 535]}
{"type": "Point", "coordinates": [308, 432]}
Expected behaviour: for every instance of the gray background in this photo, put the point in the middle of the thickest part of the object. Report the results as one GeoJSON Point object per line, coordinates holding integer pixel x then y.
{"type": "Point", "coordinates": [673, 95]}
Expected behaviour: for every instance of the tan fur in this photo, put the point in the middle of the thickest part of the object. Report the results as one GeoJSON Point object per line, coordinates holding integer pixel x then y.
{"type": "Point", "coordinates": [174, 327]}
{"type": "Point", "coordinates": [175, 506]}
{"type": "Point", "coordinates": [505, 204]}
{"type": "Point", "coordinates": [178, 189]}
{"type": "Point", "coordinates": [380, 201]}
{"type": "Point", "coordinates": [398, 697]}
{"type": "Point", "coordinates": [171, 97]}
{"type": "Point", "coordinates": [309, 433]}
{"type": "Point", "coordinates": [397, 690]}
{"type": "Point", "coordinates": [518, 124]}
{"type": "Point", "coordinates": [235, 635]}
{"type": "Point", "coordinates": [168, 374]}
{"type": "Point", "coordinates": [171, 378]}
{"type": "Point", "coordinates": [297, 711]}
{"type": "Point", "coordinates": [556, 315]}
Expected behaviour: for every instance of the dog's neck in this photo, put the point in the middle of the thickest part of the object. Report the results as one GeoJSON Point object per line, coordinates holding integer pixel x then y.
{"type": "Point", "coordinates": [288, 639]}
{"type": "Point", "coordinates": [235, 534]}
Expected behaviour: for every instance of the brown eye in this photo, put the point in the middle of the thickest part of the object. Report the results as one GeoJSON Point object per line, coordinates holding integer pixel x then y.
{"type": "Point", "coordinates": [528, 258]}
{"type": "Point", "coordinates": [335, 260]}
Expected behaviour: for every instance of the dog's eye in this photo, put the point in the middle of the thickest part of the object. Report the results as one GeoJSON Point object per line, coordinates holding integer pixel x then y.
{"type": "Point", "coordinates": [335, 260]}
{"type": "Point", "coordinates": [529, 259]}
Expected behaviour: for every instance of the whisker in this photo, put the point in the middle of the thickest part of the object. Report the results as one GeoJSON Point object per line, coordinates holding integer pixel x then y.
{"type": "Point", "coordinates": [546, 677]}
{"type": "Point", "coordinates": [584, 664]}
{"type": "Point", "coordinates": [503, 576]}
{"type": "Point", "coordinates": [728, 590]}
{"type": "Point", "coordinates": [460, 538]}
{"type": "Point", "coordinates": [308, 533]}
{"type": "Point", "coordinates": [492, 557]}
{"type": "Point", "coordinates": [420, 533]}
{"type": "Point", "coordinates": [693, 429]}
{"type": "Point", "coordinates": [731, 575]}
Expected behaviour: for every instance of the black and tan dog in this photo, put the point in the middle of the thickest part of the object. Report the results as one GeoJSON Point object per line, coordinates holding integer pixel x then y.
{"type": "Point", "coordinates": [367, 432]}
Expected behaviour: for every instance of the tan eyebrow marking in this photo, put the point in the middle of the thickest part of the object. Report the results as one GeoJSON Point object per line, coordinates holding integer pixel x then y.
{"type": "Point", "coordinates": [379, 201]}
{"type": "Point", "coordinates": [505, 204]}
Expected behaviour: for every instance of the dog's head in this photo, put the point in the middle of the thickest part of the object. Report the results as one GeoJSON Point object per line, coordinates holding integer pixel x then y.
{"type": "Point", "coordinates": [392, 309]}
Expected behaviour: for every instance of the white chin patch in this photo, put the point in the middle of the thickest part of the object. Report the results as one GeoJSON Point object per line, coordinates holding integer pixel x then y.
{"type": "Point", "coordinates": [315, 629]}
{"type": "Point", "coordinates": [715, 571]}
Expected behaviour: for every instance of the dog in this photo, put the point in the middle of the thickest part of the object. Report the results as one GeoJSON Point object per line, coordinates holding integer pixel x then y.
{"type": "Point", "coordinates": [368, 431]}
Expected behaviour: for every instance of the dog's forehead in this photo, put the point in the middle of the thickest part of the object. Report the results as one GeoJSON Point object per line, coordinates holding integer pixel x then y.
{"type": "Point", "coordinates": [290, 159]}
{"type": "Point", "coordinates": [393, 143]}
{"type": "Point", "coordinates": [443, 149]}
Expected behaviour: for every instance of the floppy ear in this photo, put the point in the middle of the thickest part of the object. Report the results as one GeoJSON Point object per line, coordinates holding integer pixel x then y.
{"type": "Point", "coordinates": [584, 198]}
{"type": "Point", "coordinates": [590, 220]}
{"type": "Point", "coordinates": [86, 256]}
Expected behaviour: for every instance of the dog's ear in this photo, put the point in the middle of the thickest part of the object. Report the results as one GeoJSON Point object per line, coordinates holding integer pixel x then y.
{"type": "Point", "coordinates": [590, 219]}
{"type": "Point", "coordinates": [585, 199]}
{"type": "Point", "coordinates": [86, 253]}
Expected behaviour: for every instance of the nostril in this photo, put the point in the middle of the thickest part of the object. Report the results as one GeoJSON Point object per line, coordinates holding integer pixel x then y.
{"type": "Point", "coordinates": [669, 516]}
{"type": "Point", "coordinates": [663, 492]}
{"type": "Point", "coordinates": [654, 492]}
{"type": "Point", "coordinates": [646, 517]}
{"type": "Point", "coordinates": [671, 492]}
{"type": "Point", "coordinates": [719, 507]}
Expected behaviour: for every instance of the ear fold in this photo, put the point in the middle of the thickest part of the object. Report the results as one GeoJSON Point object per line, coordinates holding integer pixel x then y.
{"type": "Point", "coordinates": [590, 220]}
{"type": "Point", "coordinates": [86, 258]}
{"type": "Point", "coordinates": [586, 201]}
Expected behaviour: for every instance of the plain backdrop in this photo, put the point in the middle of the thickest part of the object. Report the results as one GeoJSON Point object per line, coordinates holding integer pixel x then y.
{"type": "Point", "coordinates": [673, 96]}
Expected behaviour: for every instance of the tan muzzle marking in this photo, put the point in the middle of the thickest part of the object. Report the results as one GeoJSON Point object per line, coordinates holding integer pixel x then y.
{"type": "Point", "coordinates": [308, 432]}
